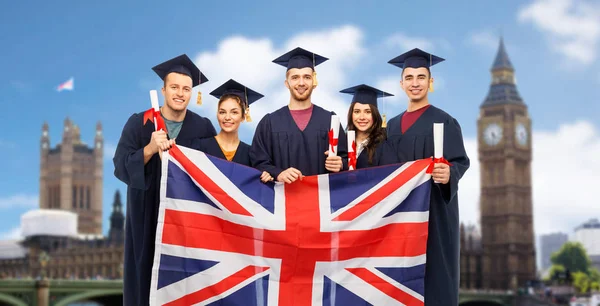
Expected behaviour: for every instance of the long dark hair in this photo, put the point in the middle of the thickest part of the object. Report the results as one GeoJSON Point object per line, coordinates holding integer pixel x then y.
{"type": "Point", "coordinates": [377, 134]}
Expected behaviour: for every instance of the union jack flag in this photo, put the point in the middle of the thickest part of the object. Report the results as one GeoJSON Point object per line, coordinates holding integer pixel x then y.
{"type": "Point", "coordinates": [351, 238]}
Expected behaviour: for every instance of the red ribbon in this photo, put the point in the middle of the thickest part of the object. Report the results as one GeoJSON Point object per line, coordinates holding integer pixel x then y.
{"type": "Point", "coordinates": [434, 161]}
{"type": "Point", "coordinates": [332, 141]}
{"type": "Point", "coordinates": [150, 115]}
{"type": "Point", "coordinates": [352, 156]}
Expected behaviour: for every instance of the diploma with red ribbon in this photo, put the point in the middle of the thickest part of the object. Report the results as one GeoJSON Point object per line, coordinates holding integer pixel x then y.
{"type": "Point", "coordinates": [351, 150]}
{"type": "Point", "coordinates": [334, 132]}
{"type": "Point", "coordinates": [153, 114]}
{"type": "Point", "coordinates": [438, 147]}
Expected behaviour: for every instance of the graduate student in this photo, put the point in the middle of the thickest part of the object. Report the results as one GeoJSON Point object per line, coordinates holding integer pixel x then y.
{"type": "Point", "coordinates": [137, 164]}
{"type": "Point", "coordinates": [293, 141]}
{"type": "Point", "coordinates": [364, 118]}
{"type": "Point", "coordinates": [410, 134]}
{"type": "Point", "coordinates": [232, 109]}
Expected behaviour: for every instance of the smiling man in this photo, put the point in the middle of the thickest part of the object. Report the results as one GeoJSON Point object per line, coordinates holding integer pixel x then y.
{"type": "Point", "coordinates": [138, 165]}
{"type": "Point", "coordinates": [410, 135]}
{"type": "Point", "coordinates": [293, 141]}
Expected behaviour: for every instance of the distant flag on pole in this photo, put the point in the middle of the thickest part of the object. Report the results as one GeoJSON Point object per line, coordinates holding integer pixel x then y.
{"type": "Point", "coordinates": [68, 85]}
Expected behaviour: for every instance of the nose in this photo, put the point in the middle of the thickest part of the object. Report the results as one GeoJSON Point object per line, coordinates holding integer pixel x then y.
{"type": "Point", "coordinates": [302, 82]}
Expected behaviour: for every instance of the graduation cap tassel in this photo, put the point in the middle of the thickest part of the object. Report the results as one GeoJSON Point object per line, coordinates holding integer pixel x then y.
{"type": "Point", "coordinates": [384, 122]}
{"type": "Point", "coordinates": [430, 85]}
{"type": "Point", "coordinates": [248, 118]}
{"type": "Point", "coordinates": [314, 74]}
{"type": "Point", "coordinates": [199, 98]}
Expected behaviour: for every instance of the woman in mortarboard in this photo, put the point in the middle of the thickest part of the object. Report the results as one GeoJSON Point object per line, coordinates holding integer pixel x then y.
{"type": "Point", "coordinates": [233, 108]}
{"type": "Point", "coordinates": [364, 118]}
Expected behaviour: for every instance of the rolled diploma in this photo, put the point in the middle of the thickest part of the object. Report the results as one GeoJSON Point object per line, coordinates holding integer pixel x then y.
{"type": "Point", "coordinates": [154, 102]}
{"type": "Point", "coordinates": [335, 127]}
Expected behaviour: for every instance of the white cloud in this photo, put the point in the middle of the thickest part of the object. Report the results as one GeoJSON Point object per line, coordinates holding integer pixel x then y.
{"type": "Point", "coordinates": [19, 200]}
{"type": "Point", "coordinates": [486, 39]}
{"type": "Point", "coordinates": [249, 61]}
{"type": "Point", "coordinates": [13, 234]}
{"type": "Point", "coordinates": [572, 26]}
{"type": "Point", "coordinates": [406, 42]}
{"type": "Point", "coordinates": [565, 171]}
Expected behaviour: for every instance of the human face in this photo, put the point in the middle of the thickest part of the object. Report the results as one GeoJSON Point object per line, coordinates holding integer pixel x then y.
{"type": "Point", "coordinates": [362, 117]}
{"type": "Point", "coordinates": [229, 115]}
{"type": "Point", "coordinates": [415, 82]}
{"type": "Point", "coordinates": [300, 83]}
{"type": "Point", "coordinates": [177, 91]}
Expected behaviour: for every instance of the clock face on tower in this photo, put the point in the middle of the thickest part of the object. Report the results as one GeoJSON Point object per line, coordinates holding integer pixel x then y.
{"type": "Point", "coordinates": [492, 134]}
{"type": "Point", "coordinates": [521, 134]}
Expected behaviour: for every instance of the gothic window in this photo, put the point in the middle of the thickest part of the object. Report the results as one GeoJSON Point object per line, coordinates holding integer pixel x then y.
{"type": "Point", "coordinates": [81, 197]}
{"type": "Point", "coordinates": [74, 199]}
{"type": "Point", "coordinates": [87, 197]}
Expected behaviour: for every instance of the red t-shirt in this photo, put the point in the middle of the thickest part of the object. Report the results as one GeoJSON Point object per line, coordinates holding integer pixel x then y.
{"type": "Point", "coordinates": [409, 118]}
{"type": "Point", "coordinates": [302, 117]}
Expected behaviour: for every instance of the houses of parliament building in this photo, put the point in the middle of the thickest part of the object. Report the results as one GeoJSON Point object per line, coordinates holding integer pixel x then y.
{"type": "Point", "coordinates": [65, 234]}
{"type": "Point", "coordinates": [501, 255]}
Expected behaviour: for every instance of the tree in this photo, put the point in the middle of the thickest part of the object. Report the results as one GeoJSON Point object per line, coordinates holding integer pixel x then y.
{"type": "Point", "coordinates": [557, 274]}
{"type": "Point", "coordinates": [581, 282]}
{"type": "Point", "coordinates": [573, 257]}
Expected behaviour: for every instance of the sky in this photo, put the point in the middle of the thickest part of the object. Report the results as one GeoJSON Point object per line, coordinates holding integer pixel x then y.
{"type": "Point", "coordinates": [109, 47]}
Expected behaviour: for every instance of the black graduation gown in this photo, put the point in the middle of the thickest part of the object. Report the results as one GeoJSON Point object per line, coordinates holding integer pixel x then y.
{"type": "Point", "coordinates": [279, 144]}
{"type": "Point", "coordinates": [362, 161]}
{"type": "Point", "coordinates": [443, 245]}
{"type": "Point", "coordinates": [143, 197]}
{"type": "Point", "coordinates": [211, 146]}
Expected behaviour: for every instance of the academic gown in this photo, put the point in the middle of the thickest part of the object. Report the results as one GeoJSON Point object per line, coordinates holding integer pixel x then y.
{"type": "Point", "coordinates": [362, 161]}
{"type": "Point", "coordinates": [143, 197]}
{"type": "Point", "coordinates": [443, 245]}
{"type": "Point", "coordinates": [279, 144]}
{"type": "Point", "coordinates": [211, 146]}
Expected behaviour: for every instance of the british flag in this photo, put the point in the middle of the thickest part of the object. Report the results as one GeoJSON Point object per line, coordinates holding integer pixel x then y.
{"type": "Point", "coordinates": [351, 238]}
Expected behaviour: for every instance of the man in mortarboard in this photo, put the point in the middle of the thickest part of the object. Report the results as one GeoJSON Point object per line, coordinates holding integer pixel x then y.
{"type": "Point", "coordinates": [137, 164]}
{"type": "Point", "coordinates": [292, 142]}
{"type": "Point", "coordinates": [410, 136]}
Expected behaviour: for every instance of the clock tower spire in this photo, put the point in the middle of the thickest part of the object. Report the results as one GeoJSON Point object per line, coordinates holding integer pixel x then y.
{"type": "Point", "coordinates": [504, 130]}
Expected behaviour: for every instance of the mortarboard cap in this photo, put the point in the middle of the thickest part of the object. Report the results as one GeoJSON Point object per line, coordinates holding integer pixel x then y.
{"type": "Point", "coordinates": [299, 58]}
{"type": "Point", "coordinates": [366, 94]}
{"type": "Point", "coordinates": [247, 95]}
{"type": "Point", "coordinates": [415, 58]}
{"type": "Point", "coordinates": [181, 64]}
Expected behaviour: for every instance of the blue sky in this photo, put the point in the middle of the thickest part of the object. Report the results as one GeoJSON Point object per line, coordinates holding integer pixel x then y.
{"type": "Point", "coordinates": [109, 48]}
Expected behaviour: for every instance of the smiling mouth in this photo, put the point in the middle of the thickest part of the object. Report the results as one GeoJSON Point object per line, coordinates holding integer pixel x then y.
{"type": "Point", "coordinates": [179, 100]}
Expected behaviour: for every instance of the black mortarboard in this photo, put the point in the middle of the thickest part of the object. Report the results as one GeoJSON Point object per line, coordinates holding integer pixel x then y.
{"type": "Point", "coordinates": [415, 58]}
{"type": "Point", "coordinates": [366, 94]}
{"type": "Point", "coordinates": [181, 64]}
{"type": "Point", "coordinates": [299, 58]}
{"type": "Point", "coordinates": [231, 87]}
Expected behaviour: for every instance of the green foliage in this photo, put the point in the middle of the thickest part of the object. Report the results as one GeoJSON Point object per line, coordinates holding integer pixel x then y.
{"type": "Point", "coordinates": [573, 257]}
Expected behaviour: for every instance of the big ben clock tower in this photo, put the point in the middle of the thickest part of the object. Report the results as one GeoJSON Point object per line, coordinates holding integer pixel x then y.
{"type": "Point", "coordinates": [504, 141]}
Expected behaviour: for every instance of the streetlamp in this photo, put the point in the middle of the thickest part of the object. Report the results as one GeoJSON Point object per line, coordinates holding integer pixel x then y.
{"type": "Point", "coordinates": [43, 258]}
